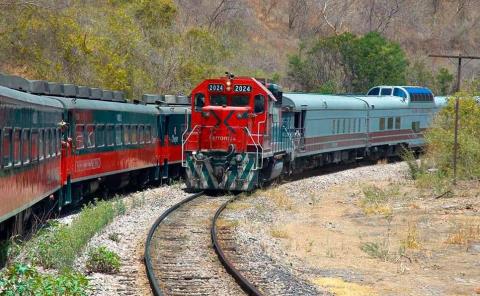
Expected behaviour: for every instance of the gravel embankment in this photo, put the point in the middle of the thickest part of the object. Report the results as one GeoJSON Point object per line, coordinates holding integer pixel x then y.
{"type": "Point", "coordinates": [253, 235]}
{"type": "Point", "coordinates": [131, 230]}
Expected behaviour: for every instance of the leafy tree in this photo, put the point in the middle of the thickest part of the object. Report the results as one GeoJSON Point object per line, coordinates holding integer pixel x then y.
{"type": "Point", "coordinates": [443, 81]}
{"type": "Point", "coordinates": [418, 74]}
{"type": "Point", "coordinates": [354, 63]}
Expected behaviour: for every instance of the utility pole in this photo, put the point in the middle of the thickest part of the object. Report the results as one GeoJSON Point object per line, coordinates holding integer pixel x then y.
{"type": "Point", "coordinates": [457, 103]}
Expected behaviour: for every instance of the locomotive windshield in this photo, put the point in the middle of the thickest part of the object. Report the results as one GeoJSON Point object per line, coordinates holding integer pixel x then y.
{"type": "Point", "coordinates": [234, 101]}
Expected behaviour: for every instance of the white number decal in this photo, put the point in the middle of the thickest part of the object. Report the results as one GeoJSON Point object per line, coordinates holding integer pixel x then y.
{"type": "Point", "coordinates": [242, 88]}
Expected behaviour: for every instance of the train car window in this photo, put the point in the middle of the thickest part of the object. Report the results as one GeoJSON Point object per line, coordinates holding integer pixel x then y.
{"type": "Point", "coordinates": [259, 104]}
{"type": "Point", "coordinates": [218, 100]}
{"type": "Point", "coordinates": [148, 134]}
{"type": "Point", "coordinates": [354, 125]}
{"type": "Point", "coordinates": [349, 125]}
{"type": "Point", "coordinates": [333, 126]}
{"type": "Point", "coordinates": [374, 92]}
{"type": "Point", "coordinates": [126, 134]}
{"type": "Point", "coordinates": [382, 124]}
{"type": "Point", "coordinates": [141, 134]}
{"type": "Point", "coordinates": [118, 135]}
{"type": "Point", "coordinates": [338, 126]}
{"type": "Point", "coordinates": [343, 126]}
{"type": "Point", "coordinates": [100, 135]}
{"type": "Point", "coordinates": [359, 125]}
{"type": "Point", "coordinates": [90, 136]}
{"type": "Point", "coordinates": [199, 101]}
{"type": "Point", "coordinates": [390, 123]}
{"type": "Point", "coordinates": [41, 144]}
{"type": "Point", "coordinates": [34, 144]}
{"type": "Point", "coordinates": [240, 101]}
{"type": "Point", "coordinates": [133, 134]}
{"type": "Point", "coordinates": [386, 92]}
{"type": "Point", "coordinates": [48, 141]}
{"type": "Point", "coordinates": [16, 148]}
{"type": "Point", "coordinates": [110, 135]}
{"type": "Point", "coordinates": [26, 146]}
{"type": "Point", "coordinates": [7, 147]}
{"type": "Point", "coordinates": [79, 136]}
{"type": "Point", "coordinates": [53, 151]}
{"type": "Point", "coordinates": [398, 92]}
{"type": "Point", "coordinates": [59, 142]}
{"type": "Point", "coordinates": [416, 126]}
{"type": "Point", "coordinates": [398, 122]}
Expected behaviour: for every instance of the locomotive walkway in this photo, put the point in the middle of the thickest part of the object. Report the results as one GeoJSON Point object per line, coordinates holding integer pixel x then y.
{"type": "Point", "coordinates": [180, 255]}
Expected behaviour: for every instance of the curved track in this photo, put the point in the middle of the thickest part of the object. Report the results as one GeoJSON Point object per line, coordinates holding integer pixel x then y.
{"type": "Point", "coordinates": [180, 253]}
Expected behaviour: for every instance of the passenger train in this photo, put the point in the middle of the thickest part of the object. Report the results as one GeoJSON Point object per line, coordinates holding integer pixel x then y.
{"type": "Point", "coordinates": [60, 143]}
{"type": "Point", "coordinates": [245, 133]}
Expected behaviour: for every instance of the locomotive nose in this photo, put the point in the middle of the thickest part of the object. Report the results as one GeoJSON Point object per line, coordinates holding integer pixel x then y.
{"type": "Point", "coordinates": [224, 126]}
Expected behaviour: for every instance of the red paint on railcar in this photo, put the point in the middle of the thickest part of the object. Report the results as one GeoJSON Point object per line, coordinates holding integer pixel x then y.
{"type": "Point", "coordinates": [24, 186]}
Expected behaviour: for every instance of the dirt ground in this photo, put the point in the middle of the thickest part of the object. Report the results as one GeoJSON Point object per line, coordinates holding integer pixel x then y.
{"type": "Point", "coordinates": [383, 238]}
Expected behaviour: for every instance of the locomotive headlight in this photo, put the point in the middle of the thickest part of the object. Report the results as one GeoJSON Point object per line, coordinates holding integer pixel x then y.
{"type": "Point", "coordinates": [238, 158]}
{"type": "Point", "coordinates": [229, 83]}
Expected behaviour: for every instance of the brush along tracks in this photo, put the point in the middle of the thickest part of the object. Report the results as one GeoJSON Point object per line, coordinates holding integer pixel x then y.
{"type": "Point", "coordinates": [179, 256]}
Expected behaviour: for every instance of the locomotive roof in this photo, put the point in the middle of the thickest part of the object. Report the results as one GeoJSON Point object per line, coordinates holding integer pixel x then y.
{"type": "Point", "coordinates": [74, 103]}
{"type": "Point", "coordinates": [29, 98]}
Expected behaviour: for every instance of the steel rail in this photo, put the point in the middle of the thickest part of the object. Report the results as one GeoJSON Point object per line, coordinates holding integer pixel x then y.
{"type": "Point", "coordinates": [154, 284]}
{"type": "Point", "coordinates": [247, 286]}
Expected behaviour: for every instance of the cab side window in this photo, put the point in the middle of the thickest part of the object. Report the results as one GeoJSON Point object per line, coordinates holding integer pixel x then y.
{"type": "Point", "coordinates": [386, 92]}
{"type": "Point", "coordinates": [199, 101]}
{"type": "Point", "coordinates": [397, 92]}
{"type": "Point", "coordinates": [374, 92]}
{"type": "Point", "coordinates": [79, 136]}
{"type": "Point", "coordinates": [259, 104]}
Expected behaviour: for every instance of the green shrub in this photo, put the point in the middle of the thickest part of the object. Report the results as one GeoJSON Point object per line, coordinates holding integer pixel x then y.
{"type": "Point", "coordinates": [58, 247]}
{"type": "Point", "coordinates": [375, 250]}
{"type": "Point", "coordinates": [440, 139]}
{"type": "Point", "coordinates": [103, 260]}
{"type": "Point", "coordinates": [20, 279]}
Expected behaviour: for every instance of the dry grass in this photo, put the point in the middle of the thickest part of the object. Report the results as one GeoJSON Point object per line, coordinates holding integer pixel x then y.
{"type": "Point", "coordinates": [339, 287]}
{"type": "Point", "coordinates": [224, 223]}
{"type": "Point", "coordinates": [464, 233]}
{"type": "Point", "coordinates": [412, 238]}
{"type": "Point", "coordinates": [239, 206]}
{"type": "Point", "coordinates": [279, 233]}
{"type": "Point", "coordinates": [375, 200]}
{"type": "Point", "coordinates": [280, 198]}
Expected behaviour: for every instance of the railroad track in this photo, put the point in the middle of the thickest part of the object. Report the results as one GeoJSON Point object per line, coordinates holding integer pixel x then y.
{"type": "Point", "coordinates": [181, 252]}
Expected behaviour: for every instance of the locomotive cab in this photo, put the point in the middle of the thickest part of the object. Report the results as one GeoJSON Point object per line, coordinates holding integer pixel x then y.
{"type": "Point", "coordinates": [232, 120]}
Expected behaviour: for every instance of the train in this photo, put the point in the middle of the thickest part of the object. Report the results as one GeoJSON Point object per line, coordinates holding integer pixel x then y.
{"type": "Point", "coordinates": [62, 143]}
{"type": "Point", "coordinates": [245, 132]}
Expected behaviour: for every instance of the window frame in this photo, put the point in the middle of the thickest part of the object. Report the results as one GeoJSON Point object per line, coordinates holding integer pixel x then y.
{"type": "Point", "coordinates": [17, 162]}
{"type": "Point", "coordinates": [390, 123]}
{"type": "Point", "coordinates": [10, 162]}
{"type": "Point", "coordinates": [398, 122]}
{"type": "Point", "coordinates": [82, 133]}
{"type": "Point", "coordinates": [89, 144]}
{"type": "Point", "coordinates": [386, 88]}
{"type": "Point", "coordinates": [100, 135]}
{"type": "Point", "coordinates": [381, 124]}
{"type": "Point", "coordinates": [27, 159]}
{"type": "Point", "coordinates": [110, 135]}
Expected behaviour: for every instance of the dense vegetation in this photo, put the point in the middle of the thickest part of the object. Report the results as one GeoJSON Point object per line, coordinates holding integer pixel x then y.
{"type": "Point", "coordinates": [169, 45]}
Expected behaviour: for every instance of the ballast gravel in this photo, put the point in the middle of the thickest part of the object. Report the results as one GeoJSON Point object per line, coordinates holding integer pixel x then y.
{"type": "Point", "coordinates": [126, 236]}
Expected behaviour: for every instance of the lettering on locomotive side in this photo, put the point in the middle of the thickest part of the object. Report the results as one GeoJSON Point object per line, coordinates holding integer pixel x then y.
{"type": "Point", "coordinates": [223, 138]}
{"type": "Point", "coordinates": [89, 164]}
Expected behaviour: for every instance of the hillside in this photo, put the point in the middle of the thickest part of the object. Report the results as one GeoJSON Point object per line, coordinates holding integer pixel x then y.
{"type": "Point", "coordinates": [168, 46]}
